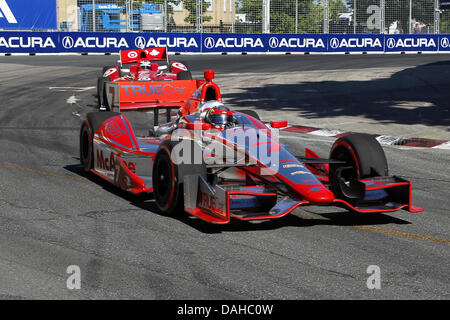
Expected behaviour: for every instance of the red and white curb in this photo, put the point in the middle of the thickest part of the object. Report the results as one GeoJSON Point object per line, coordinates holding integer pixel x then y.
{"type": "Point", "coordinates": [382, 139]}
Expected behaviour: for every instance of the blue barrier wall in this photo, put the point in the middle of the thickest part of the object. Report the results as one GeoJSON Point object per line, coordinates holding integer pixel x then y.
{"type": "Point", "coordinates": [60, 42]}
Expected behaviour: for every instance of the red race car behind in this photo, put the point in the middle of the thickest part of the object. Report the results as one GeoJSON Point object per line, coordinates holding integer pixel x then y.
{"type": "Point", "coordinates": [141, 65]}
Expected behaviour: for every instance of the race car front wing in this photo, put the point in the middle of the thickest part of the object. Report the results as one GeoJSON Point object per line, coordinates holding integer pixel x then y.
{"type": "Point", "coordinates": [217, 204]}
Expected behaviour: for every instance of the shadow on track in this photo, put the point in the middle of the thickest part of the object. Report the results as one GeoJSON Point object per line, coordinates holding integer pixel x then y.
{"type": "Point", "coordinates": [416, 95]}
{"type": "Point", "coordinates": [341, 218]}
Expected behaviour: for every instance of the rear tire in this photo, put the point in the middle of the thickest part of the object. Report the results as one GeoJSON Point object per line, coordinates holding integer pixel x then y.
{"type": "Point", "coordinates": [86, 149]}
{"type": "Point", "coordinates": [184, 75]}
{"type": "Point", "coordinates": [102, 99]}
{"type": "Point", "coordinates": [168, 177]}
{"type": "Point", "coordinates": [100, 85]}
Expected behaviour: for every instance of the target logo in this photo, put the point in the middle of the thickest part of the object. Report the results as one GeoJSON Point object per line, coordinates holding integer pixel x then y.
{"type": "Point", "coordinates": [133, 54]}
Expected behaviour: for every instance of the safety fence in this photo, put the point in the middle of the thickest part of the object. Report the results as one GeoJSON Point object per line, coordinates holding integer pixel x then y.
{"type": "Point", "coordinates": [86, 42]}
{"type": "Point", "coordinates": [229, 16]}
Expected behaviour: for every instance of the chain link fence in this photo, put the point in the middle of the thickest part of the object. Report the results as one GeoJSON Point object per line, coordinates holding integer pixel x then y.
{"type": "Point", "coordinates": [254, 16]}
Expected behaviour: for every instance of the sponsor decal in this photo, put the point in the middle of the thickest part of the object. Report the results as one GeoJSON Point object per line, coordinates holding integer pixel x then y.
{"type": "Point", "coordinates": [140, 42]}
{"type": "Point", "coordinates": [445, 43]}
{"type": "Point", "coordinates": [275, 42]}
{"type": "Point", "coordinates": [209, 43]}
{"type": "Point", "coordinates": [211, 203]}
{"type": "Point", "coordinates": [171, 42]}
{"type": "Point", "coordinates": [154, 53]}
{"type": "Point", "coordinates": [233, 42]}
{"type": "Point", "coordinates": [392, 43]}
{"type": "Point", "coordinates": [113, 130]}
{"type": "Point", "coordinates": [298, 172]}
{"type": "Point", "coordinates": [69, 42]}
{"type": "Point", "coordinates": [335, 43]}
{"type": "Point", "coordinates": [293, 165]}
{"type": "Point", "coordinates": [150, 89]}
{"type": "Point", "coordinates": [26, 42]}
{"type": "Point", "coordinates": [109, 164]}
{"type": "Point", "coordinates": [113, 42]}
{"type": "Point", "coordinates": [132, 54]}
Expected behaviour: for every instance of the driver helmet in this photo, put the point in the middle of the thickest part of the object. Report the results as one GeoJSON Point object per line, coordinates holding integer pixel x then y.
{"type": "Point", "coordinates": [219, 116]}
{"type": "Point", "coordinates": [145, 65]}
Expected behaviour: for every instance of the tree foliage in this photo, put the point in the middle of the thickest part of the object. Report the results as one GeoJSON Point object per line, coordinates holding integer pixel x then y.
{"type": "Point", "coordinates": [282, 14]}
{"type": "Point", "coordinates": [191, 7]}
{"type": "Point", "coordinates": [396, 10]}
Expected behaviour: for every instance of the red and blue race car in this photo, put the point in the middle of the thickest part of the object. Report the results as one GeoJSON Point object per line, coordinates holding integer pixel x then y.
{"type": "Point", "coordinates": [218, 164]}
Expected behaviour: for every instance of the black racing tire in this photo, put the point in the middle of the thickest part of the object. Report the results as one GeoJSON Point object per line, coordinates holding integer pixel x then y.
{"type": "Point", "coordinates": [88, 128]}
{"type": "Point", "coordinates": [363, 153]}
{"type": "Point", "coordinates": [184, 75]}
{"type": "Point", "coordinates": [250, 113]}
{"type": "Point", "coordinates": [86, 147]}
{"type": "Point", "coordinates": [100, 87]}
{"type": "Point", "coordinates": [168, 177]}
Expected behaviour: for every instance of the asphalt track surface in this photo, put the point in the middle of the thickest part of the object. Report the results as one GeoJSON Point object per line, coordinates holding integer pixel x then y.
{"type": "Point", "coordinates": [52, 215]}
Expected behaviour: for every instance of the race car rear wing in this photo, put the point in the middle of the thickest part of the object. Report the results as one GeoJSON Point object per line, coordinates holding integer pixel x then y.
{"type": "Point", "coordinates": [130, 95]}
{"type": "Point", "coordinates": [138, 95]}
{"type": "Point", "coordinates": [153, 54]}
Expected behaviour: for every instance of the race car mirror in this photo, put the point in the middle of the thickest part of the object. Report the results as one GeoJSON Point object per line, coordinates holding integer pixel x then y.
{"type": "Point", "coordinates": [279, 124]}
{"type": "Point", "coordinates": [209, 75]}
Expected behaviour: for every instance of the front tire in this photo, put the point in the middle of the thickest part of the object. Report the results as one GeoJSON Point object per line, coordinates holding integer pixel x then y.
{"type": "Point", "coordinates": [168, 176]}
{"type": "Point", "coordinates": [363, 153]}
{"type": "Point", "coordinates": [88, 128]}
{"type": "Point", "coordinates": [363, 158]}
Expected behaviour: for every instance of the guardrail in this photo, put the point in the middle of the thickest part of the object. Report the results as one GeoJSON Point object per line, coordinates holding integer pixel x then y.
{"type": "Point", "coordinates": [82, 42]}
